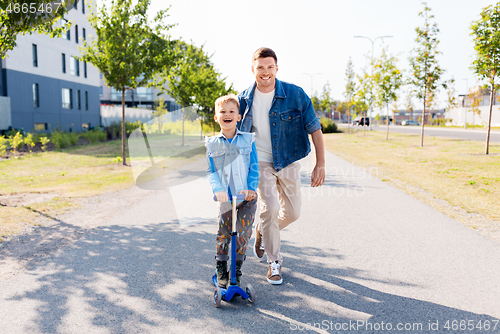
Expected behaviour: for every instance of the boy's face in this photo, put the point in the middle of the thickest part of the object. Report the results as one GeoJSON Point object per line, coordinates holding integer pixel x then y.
{"type": "Point", "coordinates": [227, 116]}
{"type": "Point", "coordinates": [264, 70]}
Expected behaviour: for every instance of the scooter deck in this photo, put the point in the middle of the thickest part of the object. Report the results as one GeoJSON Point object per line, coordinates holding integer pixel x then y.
{"type": "Point", "coordinates": [231, 291]}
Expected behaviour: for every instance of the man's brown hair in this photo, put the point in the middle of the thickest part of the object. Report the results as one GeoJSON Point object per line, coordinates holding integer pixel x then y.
{"type": "Point", "coordinates": [264, 53]}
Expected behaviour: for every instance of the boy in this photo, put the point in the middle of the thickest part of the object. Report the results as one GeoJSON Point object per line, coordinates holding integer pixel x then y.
{"type": "Point", "coordinates": [233, 168]}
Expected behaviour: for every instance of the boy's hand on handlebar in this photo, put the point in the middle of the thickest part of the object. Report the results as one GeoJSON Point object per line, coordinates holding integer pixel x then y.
{"type": "Point", "coordinates": [249, 194]}
{"type": "Point", "coordinates": [222, 196]}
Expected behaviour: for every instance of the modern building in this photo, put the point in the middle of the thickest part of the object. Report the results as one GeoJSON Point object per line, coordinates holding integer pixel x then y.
{"type": "Point", "coordinates": [43, 85]}
{"type": "Point", "coordinates": [141, 97]}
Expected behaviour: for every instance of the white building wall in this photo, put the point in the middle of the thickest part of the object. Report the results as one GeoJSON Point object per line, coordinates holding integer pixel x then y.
{"type": "Point", "coordinates": [50, 52]}
{"type": "Point", "coordinates": [460, 115]}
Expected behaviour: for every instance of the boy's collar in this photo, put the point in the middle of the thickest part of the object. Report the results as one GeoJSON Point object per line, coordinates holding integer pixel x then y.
{"type": "Point", "coordinates": [235, 134]}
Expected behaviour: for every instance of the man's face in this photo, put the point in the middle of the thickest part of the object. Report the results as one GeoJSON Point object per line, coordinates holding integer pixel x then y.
{"type": "Point", "coordinates": [227, 116]}
{"type": "Point", "coordinates": [264, 70]}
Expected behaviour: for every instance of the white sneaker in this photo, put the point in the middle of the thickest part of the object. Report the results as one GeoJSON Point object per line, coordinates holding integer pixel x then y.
{"type": "Point", "coordinates": [274, 273]}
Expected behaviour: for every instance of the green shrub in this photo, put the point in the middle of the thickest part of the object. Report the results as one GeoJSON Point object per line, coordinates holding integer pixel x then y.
{"type": "Point", "coordinates": [59, 139]}
{"type": "Point", "coordinates": [3, 146]}
{"type": "Point", "coordinates": [44, 141]}
{"type": "Point", "coordinates": [72, 138]}
{"type": "Point", "coordinates": [327, 125]}
{"type": "Point", "coordinates": [16, 141]}
{"type": "Point", "coordinates": [29, 141]}
{"type": "Point", "coordinates": [93, 136]}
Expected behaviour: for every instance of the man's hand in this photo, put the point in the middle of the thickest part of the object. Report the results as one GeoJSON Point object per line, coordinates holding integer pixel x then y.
{"type": "Point", "coordinates": [249, 194]}
{"type": "Point", "coordinates": [318, 176]}
{"type": "Point", "coordinates": [222, 196]}
{"type": "Point", "coordinates": [318, 173]}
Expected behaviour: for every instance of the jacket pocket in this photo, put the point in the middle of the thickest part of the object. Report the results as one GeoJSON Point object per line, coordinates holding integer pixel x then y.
{"type": "Point", "coordinates": [218, 159]}
{"type": "Point", "coordinates": [291, 119]}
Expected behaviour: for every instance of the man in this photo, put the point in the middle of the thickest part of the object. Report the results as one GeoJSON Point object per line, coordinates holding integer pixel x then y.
{"type": "Point", "coordinates": [282, 116]}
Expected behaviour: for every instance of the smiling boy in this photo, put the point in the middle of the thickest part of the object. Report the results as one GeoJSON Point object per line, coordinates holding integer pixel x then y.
{"type": "Point", "coordinates": [233, 168]}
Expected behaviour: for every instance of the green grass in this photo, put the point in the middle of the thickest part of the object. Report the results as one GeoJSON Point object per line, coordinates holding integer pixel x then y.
{"type": "Point", "coordinates": [453, 170]}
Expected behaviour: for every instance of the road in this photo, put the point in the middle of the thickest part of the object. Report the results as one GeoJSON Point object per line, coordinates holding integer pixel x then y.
{"type": "Point", "coordinates": [363, 256]}
{"type": "Point", "coordinates": [468, 134]}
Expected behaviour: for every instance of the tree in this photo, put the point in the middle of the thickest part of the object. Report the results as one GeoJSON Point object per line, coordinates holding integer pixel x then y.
{"type": "Point", "coordinates": [476, 96]}
{"type": "Point", "coordinates": [451, 95]}
{"type": "Point", "coordinates": [315, 101]}
{"type": "Point", "coordinates": [409, 106]}
{"type": "Point", "coordinates": [350, 89]}
{"type": "Point", "coordinates": [365, 93]}
{"type": "Point", "coordinates": [486, 32]}
{"type": "Point", "coordinates": [128, 51]}
{"type": "Point", "coordinates": [193, 80]}
{"type": "Point", "coordinates": [326, 100]}
{"type": "Point", "coordinates": [425, 70]}
{"type": "Point", "coordinates": [26, 17]}
{"type": "Point", "coordinates": [388, 79]}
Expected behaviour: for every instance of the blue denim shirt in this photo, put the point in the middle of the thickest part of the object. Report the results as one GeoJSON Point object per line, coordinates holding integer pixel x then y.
{"type": "Point", "coordinates": [237, 158]}
{"type": "Point", "coordinates": [291, 118]}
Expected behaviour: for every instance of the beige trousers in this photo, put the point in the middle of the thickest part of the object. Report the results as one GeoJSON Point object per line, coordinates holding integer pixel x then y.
{"type": "Point", "coordinates": [280, 200]}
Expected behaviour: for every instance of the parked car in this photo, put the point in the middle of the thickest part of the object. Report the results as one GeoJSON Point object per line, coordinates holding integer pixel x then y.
{"type": "Point", "coordinates": [361, 121]}
{"type": "Point", "coordinates": [410, 122]}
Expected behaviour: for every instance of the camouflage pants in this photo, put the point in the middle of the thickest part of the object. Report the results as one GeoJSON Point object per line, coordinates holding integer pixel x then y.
{"type": "Point", "coordinates": [245, 212]}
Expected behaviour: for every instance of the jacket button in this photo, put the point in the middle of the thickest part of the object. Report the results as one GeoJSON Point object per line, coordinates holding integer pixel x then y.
{"type": "Point", "coordinates": [274, 123]}
{"type": "Point", "coordinates": [275, 147]}
{"type": "Point", "coordinates": [274, 136]}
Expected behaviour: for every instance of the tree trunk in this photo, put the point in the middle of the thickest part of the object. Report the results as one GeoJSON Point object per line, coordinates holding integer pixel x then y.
{"type": "Point", "coordinates": [489, 121]}
{"type": "Point", "coordinates": [183, 107]}
{"type": "Point", "coordinates": [387, 123]}
{"type": "Point", "coordinates": [423, 122]}
{"type": "Point", "coordinates": [123, 128]}
{"type": "Point", "coordinates": [364, 122]}
{"type": "Point", "coordinates": [201, 132]}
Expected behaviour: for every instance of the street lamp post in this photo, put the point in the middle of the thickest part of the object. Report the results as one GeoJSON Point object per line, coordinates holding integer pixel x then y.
{"type": "Point", "coordinates": [311, 75]}
{"type": "Point", "coordinates": [465, 103]}
{"type": "Point", "coordinates": [373, 44]}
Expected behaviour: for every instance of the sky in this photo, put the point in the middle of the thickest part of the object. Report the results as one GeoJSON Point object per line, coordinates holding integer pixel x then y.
{"type": "Point", "coordinates": [315, 38]}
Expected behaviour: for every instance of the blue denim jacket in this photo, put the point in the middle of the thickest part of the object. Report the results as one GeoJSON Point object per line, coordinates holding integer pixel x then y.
{"type": "Point", "coordinates": [291, 117]}
{"type": "Point", "coordinates": [224, 157]}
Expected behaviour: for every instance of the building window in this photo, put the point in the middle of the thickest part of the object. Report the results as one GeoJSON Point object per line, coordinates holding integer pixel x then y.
{"type": "Point", "coordinates": [74, 67]}
{"type": "Point", "coordinates": [64, 63]}
{"type": "Point", "coordinates": [100, 75]}
{"type": "Point", "coordinates": [83, 6]}
{"type": "Point", "coordinates": [35, 55]}
{"type": "Point", "coordinates": [84, 69]}
{"type": "Point", "coordinates": [83, 34]}
{"type": "Point", "coordinates": [40, 126]}
{"type": "Point", "coordinates": [86, 100]}
{"type": "Point", "coordinates": [68, 34]}
{"type": "Point", "coordinates": [78, 99]}
{"type": "Point", "coordinates": [76, 4]}
{"type": "Point", "coordinates": [36, 96]}
{"type": "Point", "coordinates": [76, 34]}
{"type": "Point", "coordinates": [67, 98]}
{"type": "Point", "coordinates": [100, 90]}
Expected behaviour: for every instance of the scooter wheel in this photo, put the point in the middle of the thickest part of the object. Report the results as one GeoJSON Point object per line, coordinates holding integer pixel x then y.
{"type": "Point", "coordinates": [217, 296]}
{"type": "Point", "coordinates": [251, 293]}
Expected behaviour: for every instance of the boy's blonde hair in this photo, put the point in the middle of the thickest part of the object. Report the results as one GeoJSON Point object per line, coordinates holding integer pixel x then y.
{"type": "Point", "coordinates": [226, 98]}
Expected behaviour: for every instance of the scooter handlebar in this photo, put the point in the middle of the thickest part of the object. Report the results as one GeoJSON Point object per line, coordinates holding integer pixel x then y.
{"type": "Point", "coordinates": [239, 197]}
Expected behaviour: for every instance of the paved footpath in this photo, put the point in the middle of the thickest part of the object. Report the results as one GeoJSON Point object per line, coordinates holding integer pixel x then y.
{"type": "Point", "coordinates": [363, 258]}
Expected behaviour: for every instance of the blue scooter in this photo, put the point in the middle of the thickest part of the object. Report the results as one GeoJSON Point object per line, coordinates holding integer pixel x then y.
{"type": "Point", "coordinates": [221, 294]}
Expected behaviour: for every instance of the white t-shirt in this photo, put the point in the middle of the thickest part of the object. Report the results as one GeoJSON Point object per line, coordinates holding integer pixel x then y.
{"type": "Point", "coordinates": [261, 105]}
